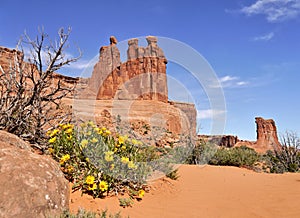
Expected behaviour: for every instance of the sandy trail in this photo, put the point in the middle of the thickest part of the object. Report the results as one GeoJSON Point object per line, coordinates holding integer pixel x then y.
{"type": "Point", "coordinates": [210, 191]}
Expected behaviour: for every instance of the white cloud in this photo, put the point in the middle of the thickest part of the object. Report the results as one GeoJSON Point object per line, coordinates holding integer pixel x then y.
{"type": "Point", "coordinates": [227, 79]}
{"type": "Point", "coordinates": [242, 83]}
{"type": "Point", "coordinates": [266, 37]}
{"type": "Point", "coordinates": [209, 114]}
{"type": "Point", "coordinates": [274, 10]}
{"type": "Point", "coordinates": [228, 82]}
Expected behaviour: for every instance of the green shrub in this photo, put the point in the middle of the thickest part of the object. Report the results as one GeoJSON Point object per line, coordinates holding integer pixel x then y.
{"type": "Point", "coordinates": [98, 162]}
{"type": "Point", "coordinates": [285, 158]}
{"type": "Point", "coordinates": [205, 153]}
{"type": "Point", "coordinates": [202, 153]}
{"type": "Point", "coordinates": [237, 156]}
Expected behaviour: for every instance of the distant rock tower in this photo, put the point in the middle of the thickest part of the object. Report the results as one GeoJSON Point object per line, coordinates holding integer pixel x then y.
{"type": "Point", "coordinates": [267, 138]}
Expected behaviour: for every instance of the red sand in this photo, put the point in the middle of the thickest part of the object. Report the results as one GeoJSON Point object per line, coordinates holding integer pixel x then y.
{"type": "Point", "coordinates": [209, 192]}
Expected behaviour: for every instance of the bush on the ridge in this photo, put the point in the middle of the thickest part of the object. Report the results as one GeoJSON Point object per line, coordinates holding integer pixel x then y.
{"type": "Point", "coordinates": [202, 153]}
{"type": "Point", "coordinates": [211, 154]}
{"type": "Point", "coordinates": [237, 156]}
{"type": "Point", "coordinates": [285, 158]}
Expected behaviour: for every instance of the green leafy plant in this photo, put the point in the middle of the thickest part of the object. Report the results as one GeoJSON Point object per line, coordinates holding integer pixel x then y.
{"type": "Point", "coordinates": [103, 163]}
{"type": "Point", "coordinates": [238, 156]}
{"type": "Point", "coordinates": [285, 158]}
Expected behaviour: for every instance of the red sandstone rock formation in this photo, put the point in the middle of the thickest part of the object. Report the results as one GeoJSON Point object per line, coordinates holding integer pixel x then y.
{"type": "Point", "coordinates": [143, 76]}
{"type": "Point", "coordinates": [109, 61]}
{"type": "Point", "coordinates": [220, 140]}
{"type": "Point", "coordinates": [267, 138]}
{"type": "Point", "coordinates": [7, 58]}
{"type": "Point", "coordinates": [31, 185]}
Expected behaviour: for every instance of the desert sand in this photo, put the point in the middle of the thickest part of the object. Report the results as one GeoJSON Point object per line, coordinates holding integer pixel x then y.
{"type": "Point", "coordinates": [209, 191]}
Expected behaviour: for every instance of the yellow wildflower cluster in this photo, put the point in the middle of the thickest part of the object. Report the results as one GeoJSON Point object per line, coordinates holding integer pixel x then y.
{"type": "Point", "coordinates": [52, 133]}
{"type": "Point", "coordinates": [130, 163]}
{"type": "Point", "coordinates": [66, 128]}
{"type": "Point", "coordinates": [103, 131]}
{"type": "Point", "coordinates": [52, 140]}
{"type": "Point", "coordinates": [90, 181]}
{"type": "Point", "coordinates": [64, 158]}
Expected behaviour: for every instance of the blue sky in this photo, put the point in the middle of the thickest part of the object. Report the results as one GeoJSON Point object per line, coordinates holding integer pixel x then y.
{"type": "Point", "coordinates": [252, 45]}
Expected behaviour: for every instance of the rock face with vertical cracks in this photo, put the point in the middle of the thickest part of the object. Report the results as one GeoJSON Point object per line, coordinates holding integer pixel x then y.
{"type": "Point", "coordinates": [266, 130]}
{"type": "Point", "coordinates": [141, 77]}
{"type": "Point", "coordinates": [31, 185]}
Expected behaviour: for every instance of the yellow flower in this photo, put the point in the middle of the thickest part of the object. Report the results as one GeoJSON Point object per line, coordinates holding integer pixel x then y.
{"type": "Point", "coordinates": [69, 137]}
{"type": "Point", "coordinates": [94, 140]}
{"type": "Point", "coordinates": [103, 129]}
{"type": "Point", "coordinates": [124, 160]}
{"type": "Point", "coordinates": [141, 193]}
{"type": "Point", "coordinates": [123, 147]}
{"type": "Point", "coordinates": [53, 133]}
{"type": "Point", "coordinates": [92, 187]}
{"type": "Point", "coordinates": [115, 150]}
{"type": "Point", "coordinates": [64, 158]}
{"type": "Point", "coordinates": [51, 150]}
{"type": "Point", "coordinates": [70, 169]}
{"type": "Point", "coordinates": [84, 143]}
{"type": "Point", "coordinates": [100, 132]}
{"type": "Point", "coordinates": [89, 133]}
{"type": "Point", "coordinates": [131, 165]}
{"type": "Point", "coordinates": [90, 180]}
{"type": "Point", "coordinates": [52, 140]}
{"type": "Point", "coordinates": [87, 159]}
{"type": "Point", "coordinates": [103, 186]}
{"type": "Point", "coordinates": [112, 166]}
{"type": "Point", "coordinates": [69, 131]}
{"type": "Point", "coordinates": [109, 156]}
{"type": "Point", "coordinates": [122, 139]}
{"type": "Point", "coordinates": [66, 126]}
{"type": "Point", "coordinates": [105, 132]}
{"type": "Point", "coordinates": [96, 129]}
